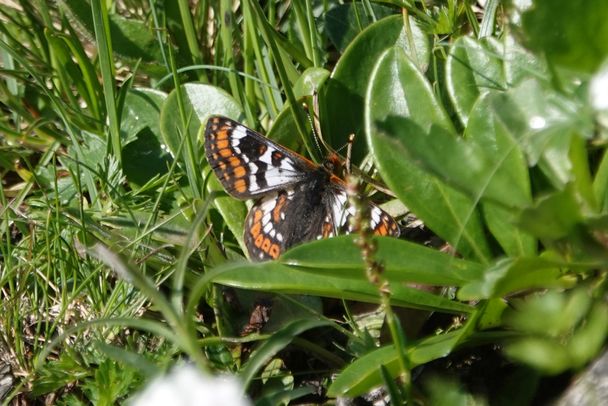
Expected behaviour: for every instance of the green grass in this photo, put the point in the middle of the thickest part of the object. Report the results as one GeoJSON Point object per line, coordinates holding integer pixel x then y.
{"type": "Point", "coordinates": [122, 255]}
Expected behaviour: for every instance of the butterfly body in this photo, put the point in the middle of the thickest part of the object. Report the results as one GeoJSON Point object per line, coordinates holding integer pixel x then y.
{"type": "Point", "coordinates": [297, 200]}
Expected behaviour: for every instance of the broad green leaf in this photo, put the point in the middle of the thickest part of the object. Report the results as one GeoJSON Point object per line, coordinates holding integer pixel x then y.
{"type": "Point", "coordinates": [589, 339]}
{"type": "Point", "coordinates": [311, 80]}
{"type": "Point", "coordinates": [573, 34]}
{"type": "Point", "coordinates": [512, 275]}
{"type": "Point", "coordinates": [504, 226]}
{"type": "Point", "coordinates": [544, 354]}
{"type": "Point", "coordinates": [344, 22]}
{"type": "Point", "coordinates": [284, 130]}
{"type": "Point", "coordinates": [398, 90]}
{"type": "Point", "coordinates": [543, 122]}
{"type": "Point", "coordinates": [553, 216]}
{"type": "Point", "coordinates": [200, 102]}
{"type": "Point", "coordinates": [450, 214]}
{"type": "Point", "coordinates": [472, 69]}
{"type": "Point", "coordinates": [364, 373]}
{"type": "Point", "coordinates": [491, 316]}
{"type": "Point", "coordinates": [144, 155]}
{"type": "Point", "coordinates": [572, 323]}
{"type": "Point", "coordinates": [442, 154]}
{"type": "Point", "coordinates": [141, 110]}
{"type": "Point", "coordinates": [276, 277]}
{"type": "Point", "coordinates": [520, 64]}
{"type": "Point", "coordinates": [343, 105]}
{"type": "Point", "coordinates": [403, 261]}
{"type": "Point", "coordinates": [552, 314]}
{"type": "Point", "coordinates": [397, 87]}
{"type": "Point", "coordinates": [145, 158]}
{"type": "Point", "coordinates": [499, 143]}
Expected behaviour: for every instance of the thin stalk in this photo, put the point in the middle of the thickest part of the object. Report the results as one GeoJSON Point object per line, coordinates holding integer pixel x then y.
{"type": "Point", "coordinates": [249, 66]}
{"type": "Point", "coordinates": [296, 110]}
{"type": "Point", "coordinates": [374, 273]}
{"type": "Point", "coordinates": [190, 156]}
{"type": "Point", "coordinates": [227, 40]}
{"type": "Point", "coordinates": [190, 32]}
{"type": "Point", "coordinates": [489, 19]}
{"type": "Point", "coordinates": [158, 30]}
{"type": "Point", "coordinates": [104, 50]}
{"type": "Point", "coordinates": [303, 27]}
{"type": "Point", "coordinates": [272, 97]}
{"type": "Point", "coordinates": [312, 32]}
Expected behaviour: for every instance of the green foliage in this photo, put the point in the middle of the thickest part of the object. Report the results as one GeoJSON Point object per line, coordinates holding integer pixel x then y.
{"type": "Point", "coordinates": [345, 21]}
{"type": "Point", "coordinates": [344, 94]}
{"type": "Point", "coordinates": [558, 28]}
{"type": "Point", "coordinates": [561, 331]}
{"type": "Point", "coordinates": [445, 210]}
{"type": "Point", "coordinates": [121, 252]}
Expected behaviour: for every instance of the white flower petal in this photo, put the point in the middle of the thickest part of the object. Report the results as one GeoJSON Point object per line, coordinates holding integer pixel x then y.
{"type": "Point", "coordinates": [187, 386]}
{"type": "Point", "coordinates": [598, 90]}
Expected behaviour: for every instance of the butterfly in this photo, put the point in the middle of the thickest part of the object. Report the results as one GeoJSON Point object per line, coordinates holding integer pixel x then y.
{"type": "Point", "coordinates": [297, 200]}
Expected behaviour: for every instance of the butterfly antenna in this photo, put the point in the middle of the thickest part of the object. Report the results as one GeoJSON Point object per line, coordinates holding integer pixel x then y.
{"type": "Point", "coordinates": [348, 167]}
{"type": "Point", "coordinates": [316, 115]}
{"type": "Point", "coordinates": [314, 129]}
{"type": "Point", "coordinates": [349, 152]}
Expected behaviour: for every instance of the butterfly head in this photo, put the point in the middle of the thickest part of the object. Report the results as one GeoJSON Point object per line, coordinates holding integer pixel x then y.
{"type": "Point", "coordinates": [333, 164]}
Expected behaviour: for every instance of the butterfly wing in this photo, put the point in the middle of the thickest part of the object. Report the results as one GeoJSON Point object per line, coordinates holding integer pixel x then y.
{"type": "Point", "coordinates": [248, 164]}
{"type": "Point", "coordinates": [380, 222]}
{"type": "Point", "coordinates": [298, 200]}
{"type": "Point", "coordinates": [285, 218]}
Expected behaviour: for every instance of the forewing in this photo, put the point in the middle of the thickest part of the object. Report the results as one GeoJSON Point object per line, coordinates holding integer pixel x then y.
{"type": "Point", "coordinates": [248, 164]}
